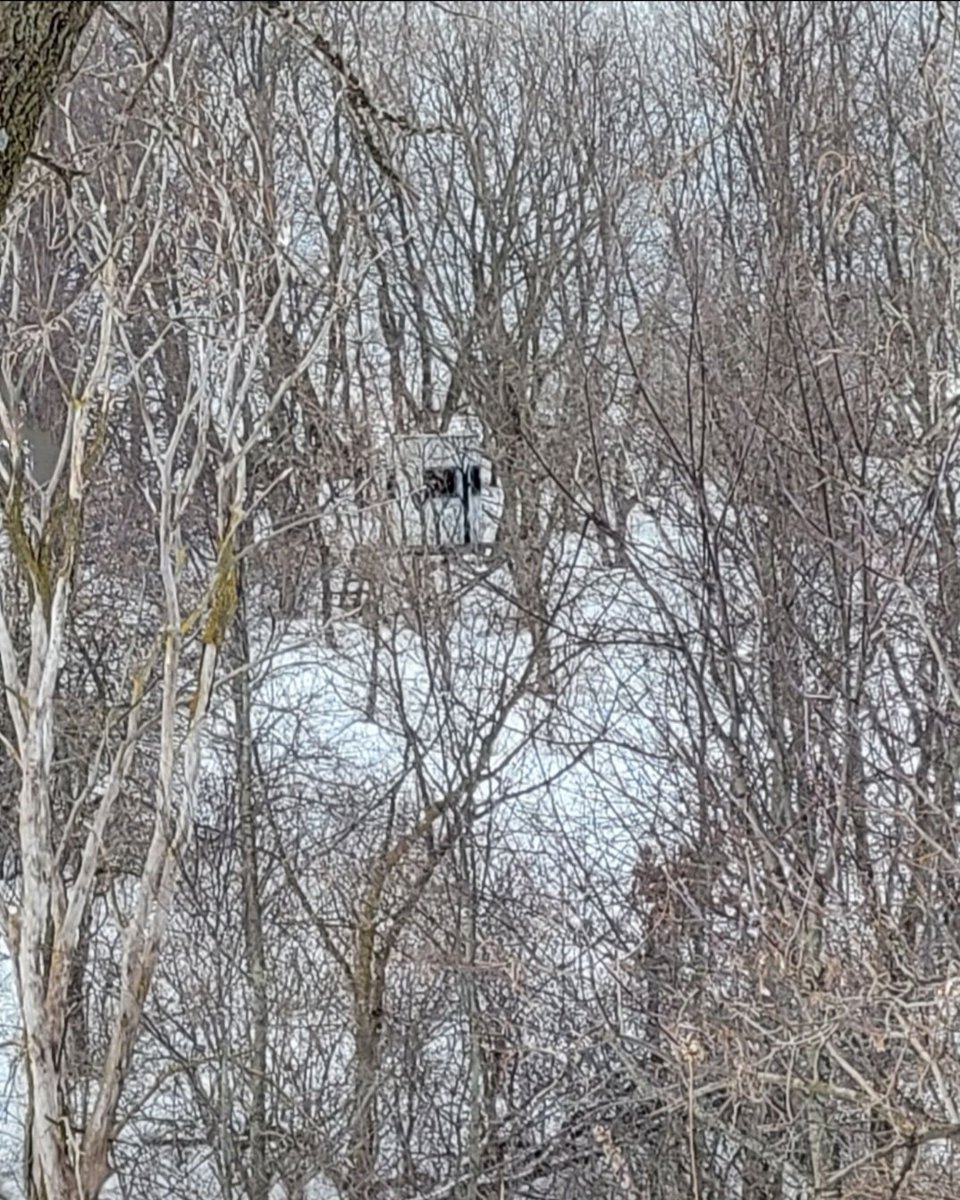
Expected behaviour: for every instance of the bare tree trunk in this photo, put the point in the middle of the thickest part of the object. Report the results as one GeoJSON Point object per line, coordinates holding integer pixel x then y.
{"type": "Point", "coordinates": [37, 41]}
{"type": "Point", "coordinates": [470, 1001]}
{"type": "Point", "coordinates": [258, 1175]}
{"type": "Point", "coordinates": [369, 987]}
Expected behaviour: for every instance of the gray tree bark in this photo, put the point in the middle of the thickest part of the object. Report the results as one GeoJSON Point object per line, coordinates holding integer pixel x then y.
{"type": "Point", "coordinates": [37, 41]}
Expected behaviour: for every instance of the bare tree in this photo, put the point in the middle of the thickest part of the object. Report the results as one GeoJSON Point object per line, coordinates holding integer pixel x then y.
{"type": "Point", "coordinates": [152, 717]}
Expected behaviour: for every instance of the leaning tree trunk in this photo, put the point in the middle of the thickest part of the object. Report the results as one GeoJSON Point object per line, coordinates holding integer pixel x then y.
{"type": "Point", "coordinates": [37, 41]}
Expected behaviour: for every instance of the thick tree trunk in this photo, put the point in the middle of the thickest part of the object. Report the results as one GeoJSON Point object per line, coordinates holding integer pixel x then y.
{"type": "Point", "coordinates": [37, 41]}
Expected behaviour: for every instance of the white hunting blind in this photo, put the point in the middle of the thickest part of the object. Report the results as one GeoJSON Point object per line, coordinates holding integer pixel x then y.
{"type": "Point", "coordinates": [435, 483]}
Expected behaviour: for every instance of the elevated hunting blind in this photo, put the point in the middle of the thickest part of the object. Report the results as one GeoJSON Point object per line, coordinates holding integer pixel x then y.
{"type": "Point", "coordinates": [435, 485]}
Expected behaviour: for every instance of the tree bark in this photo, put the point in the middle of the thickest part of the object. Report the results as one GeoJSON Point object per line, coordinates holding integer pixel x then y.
{"type": "Point", "coordinates": [258, 1175]}
{"type": "Point", "coordinates": [37, 41]}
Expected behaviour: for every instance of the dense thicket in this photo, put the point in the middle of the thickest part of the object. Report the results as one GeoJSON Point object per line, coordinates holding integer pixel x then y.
{"type": "Point", "coordinates": [614, 857]}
